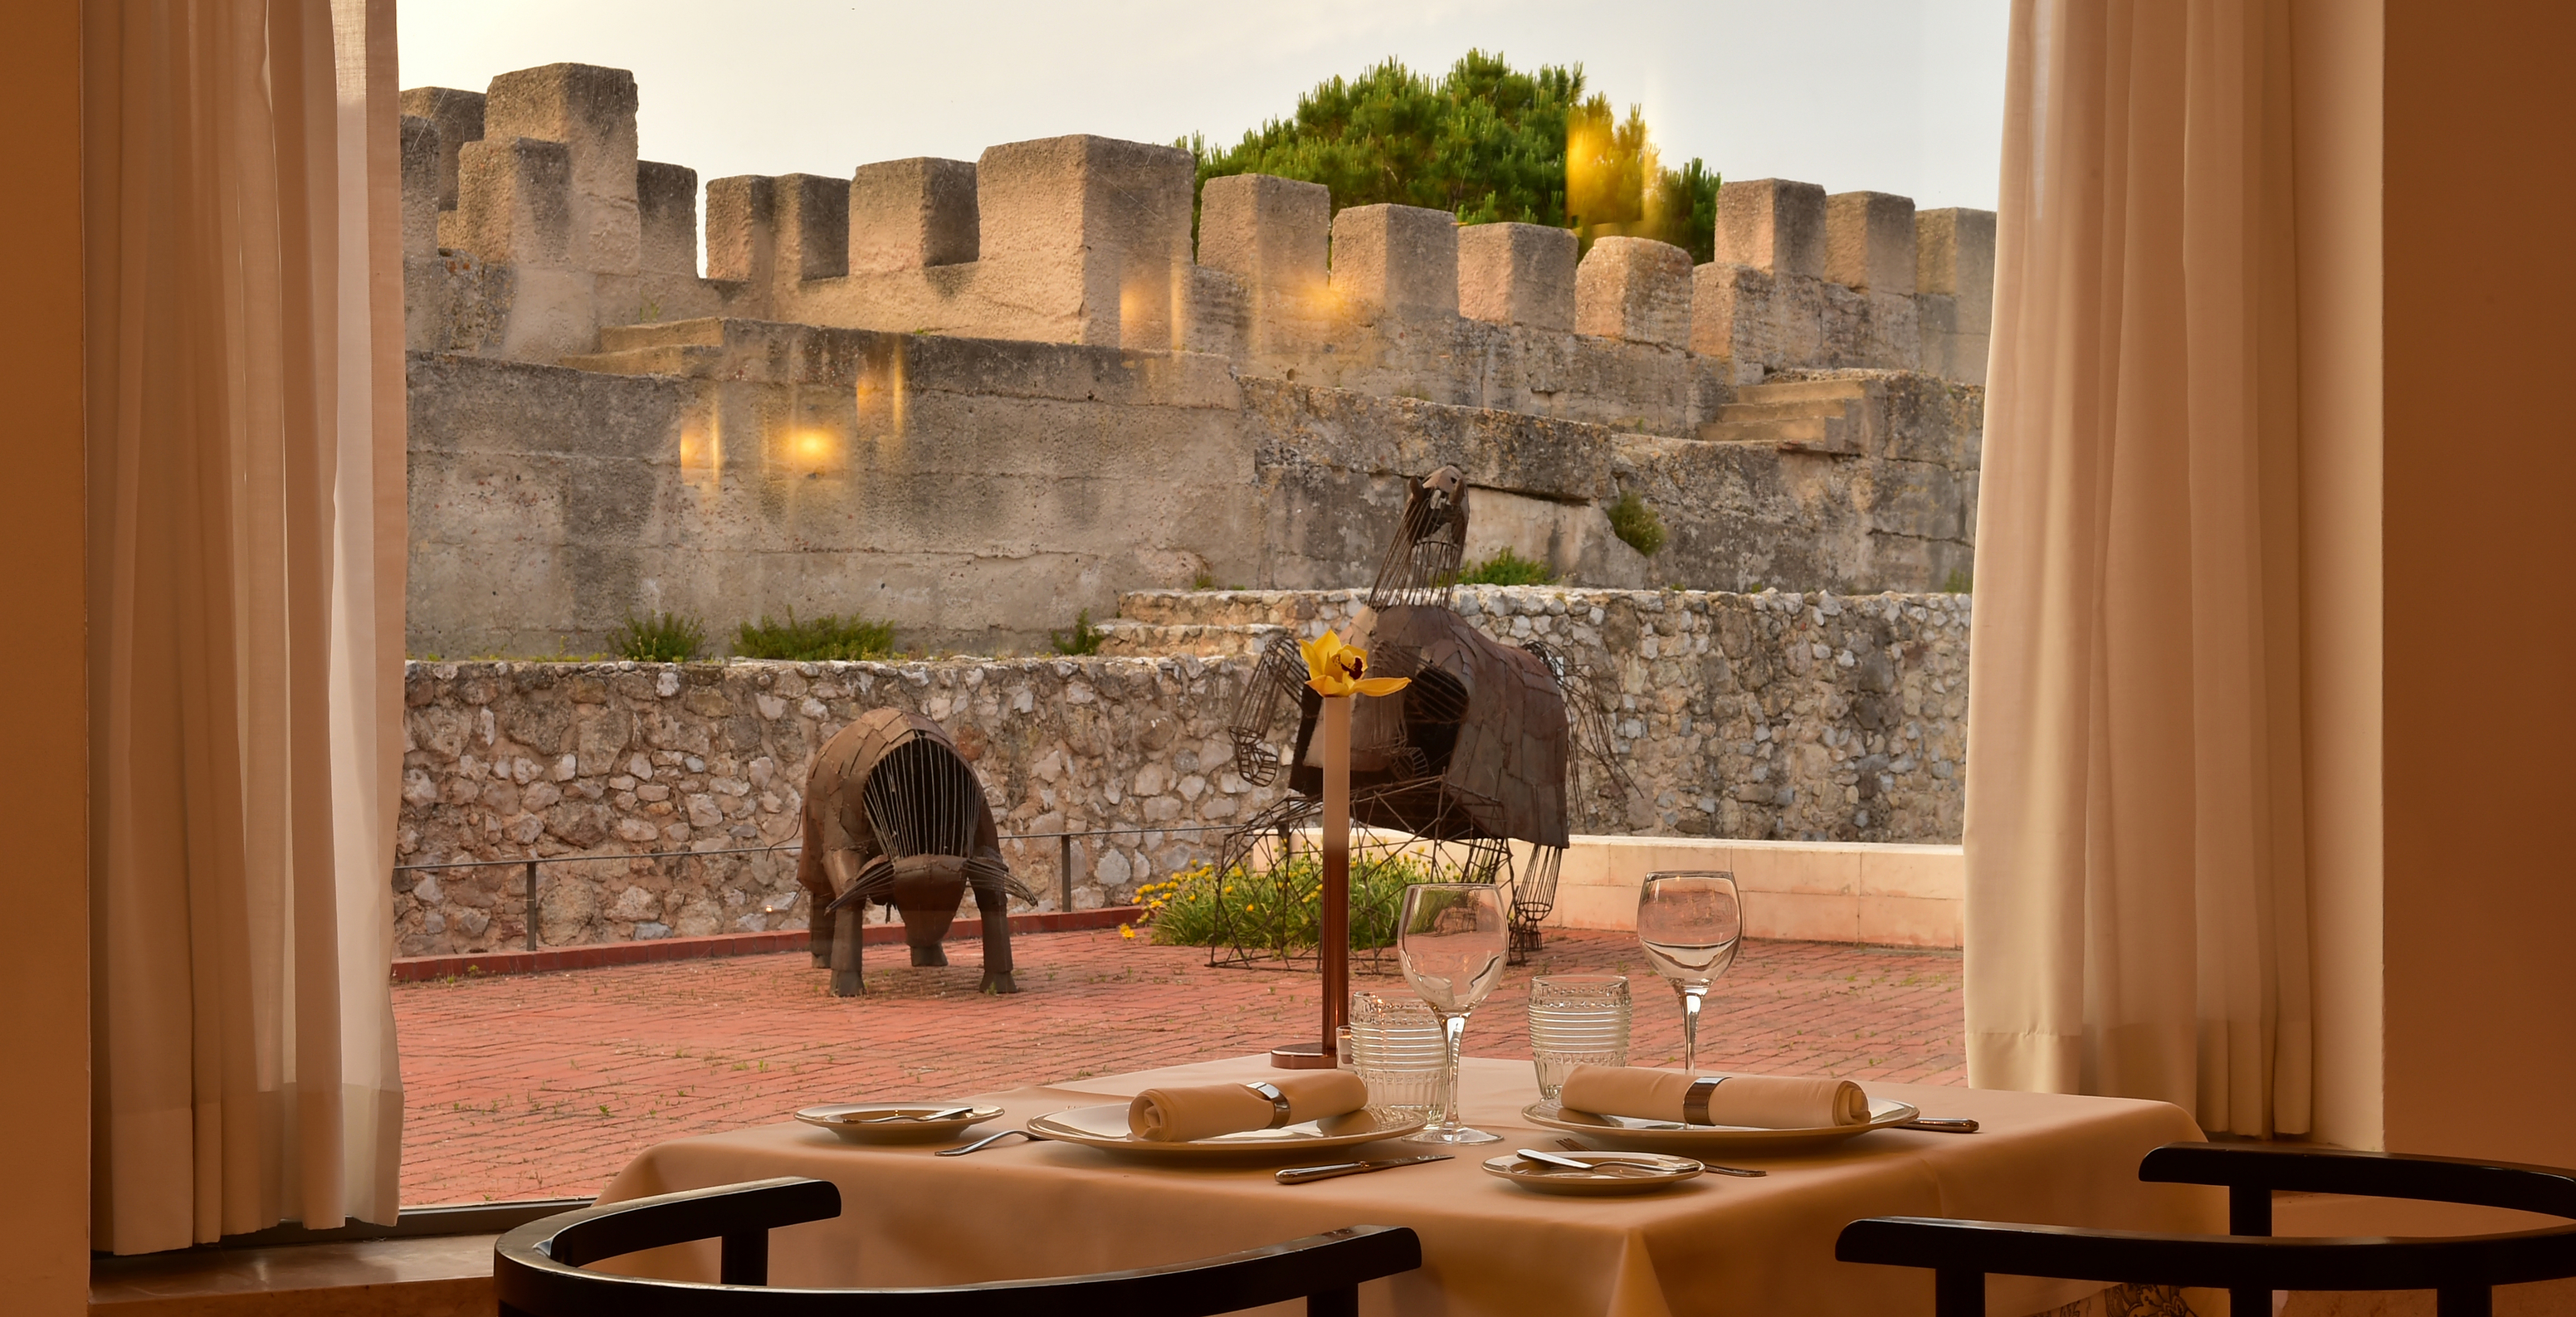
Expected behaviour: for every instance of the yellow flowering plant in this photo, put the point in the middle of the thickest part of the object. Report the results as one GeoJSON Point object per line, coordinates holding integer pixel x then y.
{"type": "Point", "coordinates": [1334, 668]}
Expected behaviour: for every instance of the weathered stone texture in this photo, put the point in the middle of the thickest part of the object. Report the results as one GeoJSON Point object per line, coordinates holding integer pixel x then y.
{"type": "Point", "coordinates": [1745, 716]}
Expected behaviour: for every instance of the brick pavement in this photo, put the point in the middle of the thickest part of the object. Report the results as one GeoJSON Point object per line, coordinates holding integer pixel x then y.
{"type": "Point", "coordinates": [542, 1085]}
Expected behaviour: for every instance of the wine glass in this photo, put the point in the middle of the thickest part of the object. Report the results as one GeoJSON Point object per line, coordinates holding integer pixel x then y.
{"type": "Point", "coordinates": [1690, 925]}
{"type": "Point", "coordinates": [1451, 939]}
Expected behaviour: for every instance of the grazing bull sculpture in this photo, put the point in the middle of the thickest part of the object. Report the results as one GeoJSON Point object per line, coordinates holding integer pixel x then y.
{"type": "Point", "coordinates": [894, 815]}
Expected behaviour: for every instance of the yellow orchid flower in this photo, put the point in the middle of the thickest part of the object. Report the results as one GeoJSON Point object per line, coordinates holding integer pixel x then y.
{"type": "Point", "coordinates": [1333, 668]}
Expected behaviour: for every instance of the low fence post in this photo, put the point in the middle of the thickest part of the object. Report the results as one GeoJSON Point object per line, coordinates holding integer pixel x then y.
{"type": "Point", "coordinates": [532, 905]}
{"type": "Point", "coordinates": [1064, 873]}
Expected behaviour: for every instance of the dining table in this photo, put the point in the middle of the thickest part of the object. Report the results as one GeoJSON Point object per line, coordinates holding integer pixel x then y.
{"type": "Point", "coordinates": [1713, 1244]}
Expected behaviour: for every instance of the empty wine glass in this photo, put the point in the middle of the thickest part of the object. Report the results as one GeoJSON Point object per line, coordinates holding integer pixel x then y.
{"type": "Point", "coordinates": [1690, 924]}
{"type": "Point", "coordinates": [1451, 939]}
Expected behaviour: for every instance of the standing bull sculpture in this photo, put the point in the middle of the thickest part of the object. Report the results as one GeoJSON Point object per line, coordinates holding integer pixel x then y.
{"type": "Point", "coordinates": [1475, 754]}
{"type": "Point", "coordinates": [894, 815]}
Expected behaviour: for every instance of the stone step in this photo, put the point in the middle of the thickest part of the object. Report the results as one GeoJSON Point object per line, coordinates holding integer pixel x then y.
{"type": "Point", "coordinates": [1803, 391]}
{"type": "Point", "coordinates": [1159, 639]}
{"type": "Point", "coordinates": [1813, 434]}
{"type": "Point", "coordinates": [1828, 408]}
{"type": "Point", "coordinates": [660, 359]}
{"type": "Point", "coordinates": [705, 331]}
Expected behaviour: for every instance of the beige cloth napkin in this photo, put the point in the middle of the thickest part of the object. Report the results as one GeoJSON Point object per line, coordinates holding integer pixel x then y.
{"type": "Point", "coordinates": [1177, 1115]}
{"type": "Point", "coordinates": [1756, 1101]}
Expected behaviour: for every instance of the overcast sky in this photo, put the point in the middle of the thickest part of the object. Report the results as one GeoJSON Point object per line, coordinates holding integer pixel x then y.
{"type": "Point", "coordinates": [1900, 96]}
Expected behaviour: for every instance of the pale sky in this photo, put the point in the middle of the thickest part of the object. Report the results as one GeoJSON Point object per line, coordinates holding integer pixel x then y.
{"type": "Point", "coordinates": [1901, 96]}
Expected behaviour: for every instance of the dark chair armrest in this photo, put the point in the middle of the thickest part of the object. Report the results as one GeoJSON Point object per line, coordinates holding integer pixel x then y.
{"type": "Point", "coordinates": [607, 1230]}
{"type": "Point", "coordinates": [2268, 1167]}
{"type": "Point", "coordinates": [2214, 1261]}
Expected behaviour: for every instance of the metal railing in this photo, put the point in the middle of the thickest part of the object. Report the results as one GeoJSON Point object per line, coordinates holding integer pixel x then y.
{"type": "Point", "coordinates": [1063, 876]}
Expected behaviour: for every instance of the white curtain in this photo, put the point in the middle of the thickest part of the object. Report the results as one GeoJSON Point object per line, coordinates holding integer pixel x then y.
{"type": "Point", "coordinates": [2137, 910]}
{"type": "Point", "coordinates": [246, 584]}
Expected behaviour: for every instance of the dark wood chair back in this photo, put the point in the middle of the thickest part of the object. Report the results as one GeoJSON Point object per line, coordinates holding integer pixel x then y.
{"type": "Point", "coordinates": [2249, 1262]}
{"type": "Point", "coordinates": [537, 1269]}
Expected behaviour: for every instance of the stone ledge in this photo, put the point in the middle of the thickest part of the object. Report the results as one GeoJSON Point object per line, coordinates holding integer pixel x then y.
{"type": "Point", "coordinates": [418, 969]}
{"type": "Point", "coordinates": [431, 1276]}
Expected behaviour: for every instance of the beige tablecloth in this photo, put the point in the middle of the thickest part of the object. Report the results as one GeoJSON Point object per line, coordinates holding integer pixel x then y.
{"type": "Point", "coordinates": [1717, 1245]}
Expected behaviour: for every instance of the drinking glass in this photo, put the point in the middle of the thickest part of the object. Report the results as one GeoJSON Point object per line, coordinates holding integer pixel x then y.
{"type": "Point", "coordinates": [1576, 1019]}
{"type": "Point", "coordinates": [1397, 1049]}
{"type": "Point", "coordinates": [1690, 924]}
{"type": "Point", "coordinates": [1450, 940]}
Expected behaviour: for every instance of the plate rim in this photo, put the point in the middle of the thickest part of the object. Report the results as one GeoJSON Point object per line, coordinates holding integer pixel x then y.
{"type": "Point", "coordinates": [976, 1115]}
{"type": "Point", "coordinates": [1205, 1147]}
{"type": "Point", "coordinates": [1899, 1111]}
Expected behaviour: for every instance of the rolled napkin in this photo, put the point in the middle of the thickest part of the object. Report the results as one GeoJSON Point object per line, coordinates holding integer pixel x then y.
{"type": "Point", "coordinates": [1178, 1115]}
{"type": "Point", "coordinates": [1755, 1101]}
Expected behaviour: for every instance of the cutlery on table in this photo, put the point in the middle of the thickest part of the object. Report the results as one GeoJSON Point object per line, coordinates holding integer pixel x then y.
{"type": "Point", "coordinates": [949, 1113]}
{"type": "Point", "coordinates": [1306, 1174]}
{"type": "Point", "coordinates": [1941, 1124]}
{"type": "Point", "coordinates": [1629, 1169]}
{"type": "Point", "coordinates": [988, 1141]}
{"type": "Point", "coordinates": [1712, 1168]}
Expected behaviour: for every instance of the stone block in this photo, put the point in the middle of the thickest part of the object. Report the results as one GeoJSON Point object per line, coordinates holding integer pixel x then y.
{"type": "Point", "coordinates": [1894, 337]}
{"type": "Point", "coordinates": [1518, 274]}
{"type": "Point", "coordinates": [742, 234]}
{"type": "Point", "coordinates": [1635, 289]}
{"type": "Point", "coordinates": [1399, 261]}
{"type": "Point", "coordinates": [1272, 233]}
{"type": "Point", "coordinates": [666, 207]}
{"type": "Point", "coordinates": [1869, 242]}
{"type": "Point", "coordinates": [812, 212]}
{"type": "Point", "coordinates": [1772, 224]}
{"type": "Point", "coordinates": [1761, 322]}
{"type": "Point", "coordinates": [1087, 237]}
{"type": "Point", "coordinates": [1955, 256]}
{"type": "Point", "coordinates": [513, 203]}
{"type": "Point", "coordinates": [912, 214]}
{"type": "Point", "coordinates": [458, 116]}
{"type": "Point", "coordinates": [420, 156]}
{"type": "Point", "coordinates": [591, 110]}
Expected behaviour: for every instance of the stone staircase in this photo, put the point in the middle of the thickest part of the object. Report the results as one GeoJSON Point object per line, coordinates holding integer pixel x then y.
{"type": "Point", "coordinates": [674, 347]}
{"type": "Point", "coordinates": [1838, 416]}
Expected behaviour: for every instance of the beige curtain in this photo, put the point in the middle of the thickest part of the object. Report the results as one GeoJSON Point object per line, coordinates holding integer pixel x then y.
{"type": "Point", "coordinates": [2137, 913]}
{"type": "Point", "coordinates": [246, 585]}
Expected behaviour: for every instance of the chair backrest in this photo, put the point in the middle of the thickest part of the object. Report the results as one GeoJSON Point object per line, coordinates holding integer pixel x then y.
{"type": "Point", "coordinates": [537, 1268]}
{"type": "Point", "coordinates": [2462, 1269]}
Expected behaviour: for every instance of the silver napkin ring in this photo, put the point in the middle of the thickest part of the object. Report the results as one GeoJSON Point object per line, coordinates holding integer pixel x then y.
{"type": "Point", "coordinates": [1695, 1099]}
{"type": "Point", "coordinates": [1278, 1102]}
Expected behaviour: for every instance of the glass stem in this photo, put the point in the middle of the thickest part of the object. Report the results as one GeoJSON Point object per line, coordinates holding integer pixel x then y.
{"type": "Point", "coordinates": [1453, 1029]}
{"type": "Point", "coordinates": [1690, 1024]}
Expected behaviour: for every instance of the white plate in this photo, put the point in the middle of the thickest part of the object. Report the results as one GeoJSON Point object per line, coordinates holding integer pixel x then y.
{"type": "Point", "coordinates": [1548, 1179]}
{"type": "Point", "coordinates": [866, 1122]}
{"type": "Point", "coordinates": [1106, 1127]}
{"type": "Point", "coordinates": [1673, 1136]}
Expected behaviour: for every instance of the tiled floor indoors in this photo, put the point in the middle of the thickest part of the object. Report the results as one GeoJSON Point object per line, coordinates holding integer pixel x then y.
{"type": "Point", "coordinates": [542, 1085]}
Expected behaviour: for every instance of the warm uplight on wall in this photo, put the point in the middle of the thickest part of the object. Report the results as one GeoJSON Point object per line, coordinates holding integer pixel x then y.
{"type": "Point", "coordinates": [815, 450]}
{"type": "Point", "coordinates": [700, 449]}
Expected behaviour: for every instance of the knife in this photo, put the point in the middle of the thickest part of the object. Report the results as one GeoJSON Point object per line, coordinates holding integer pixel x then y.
{"type": "Point", "coordinates": [1305, 1174]}
{"type": "Point", "coordinates": [1941, 1124]}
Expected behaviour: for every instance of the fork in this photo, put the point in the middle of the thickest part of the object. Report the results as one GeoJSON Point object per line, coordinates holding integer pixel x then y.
{"type": "Point", "coordinates": [950, 1113]}
{"type": "Point", "coordinates": [988, 1141]}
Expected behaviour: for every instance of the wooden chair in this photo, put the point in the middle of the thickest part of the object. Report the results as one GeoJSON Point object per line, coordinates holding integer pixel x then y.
{"type": "Point", "coordinates": [537, 1268]}
{"type": "Point", "coordinates": [2248, 1261]}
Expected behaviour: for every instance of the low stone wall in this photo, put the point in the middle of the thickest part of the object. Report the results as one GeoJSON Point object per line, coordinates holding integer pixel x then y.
{"type": "Point", "coordinates": [1773, 715]}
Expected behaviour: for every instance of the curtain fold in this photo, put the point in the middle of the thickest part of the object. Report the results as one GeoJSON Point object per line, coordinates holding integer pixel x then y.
{"type": "Point", "coordinates": [246, 531]}
{"type": "Point", "coordinates": [2137, 913]}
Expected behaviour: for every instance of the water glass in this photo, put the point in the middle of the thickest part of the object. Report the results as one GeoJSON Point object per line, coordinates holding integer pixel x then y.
{"type": "Point", "coordinates": [1450, 940]}
{"type": "Point", "coordinates": [1398, 1051]}
{"type": "Point", "coordinates": [1690, 924]}
{"type": "Point", "coordinates": [1576, 1019]}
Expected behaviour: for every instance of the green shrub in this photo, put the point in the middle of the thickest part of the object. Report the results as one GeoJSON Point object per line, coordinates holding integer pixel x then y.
{"type": "Point", "coordinates": [1507, 568]}
{"type": "Point", "coordinates": [660, 638]}
{"type": "Point", "coordinates": [826, 638]}
{"type": "Point", "coordinates": [1631, 520]}
{"type": "Point", "coordinates": [1278, 909]}
{"type": "Point", "coordinates": [1083, 639]}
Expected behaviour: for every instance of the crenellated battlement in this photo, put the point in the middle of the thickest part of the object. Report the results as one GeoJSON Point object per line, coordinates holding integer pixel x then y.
{"type": "Point", "coordinates": [531, 226]}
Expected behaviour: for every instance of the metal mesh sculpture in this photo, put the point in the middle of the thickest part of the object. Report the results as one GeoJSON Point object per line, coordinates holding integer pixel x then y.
{"type": "Point", "coordinates": [894, 815]}
{"type": "Point", "coordinates": [1473, 755]}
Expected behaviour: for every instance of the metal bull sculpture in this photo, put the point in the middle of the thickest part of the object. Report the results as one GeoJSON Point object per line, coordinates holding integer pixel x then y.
{"type": "Point", "coordinates": [894, 815]}
{"type": "Point", "coordinates": [1477, 753]}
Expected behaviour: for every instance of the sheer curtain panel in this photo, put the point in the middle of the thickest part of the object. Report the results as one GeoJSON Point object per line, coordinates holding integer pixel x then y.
{"type": "Point", "coordinates": [246, 585]}
{"type": "Point", "coordinates": [2137, 909]}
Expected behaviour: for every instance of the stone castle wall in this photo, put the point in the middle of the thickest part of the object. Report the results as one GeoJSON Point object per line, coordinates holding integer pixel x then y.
{"type": "Point", "coordinates": [1773, 715]}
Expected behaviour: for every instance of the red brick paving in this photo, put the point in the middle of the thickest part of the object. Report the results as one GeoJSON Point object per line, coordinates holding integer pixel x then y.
{"type": "Point", "coordinates": [542, 1085]}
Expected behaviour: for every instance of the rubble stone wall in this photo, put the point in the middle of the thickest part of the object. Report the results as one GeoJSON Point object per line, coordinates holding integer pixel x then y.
{"type": "Point", "coordinates": [1773, 715]}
